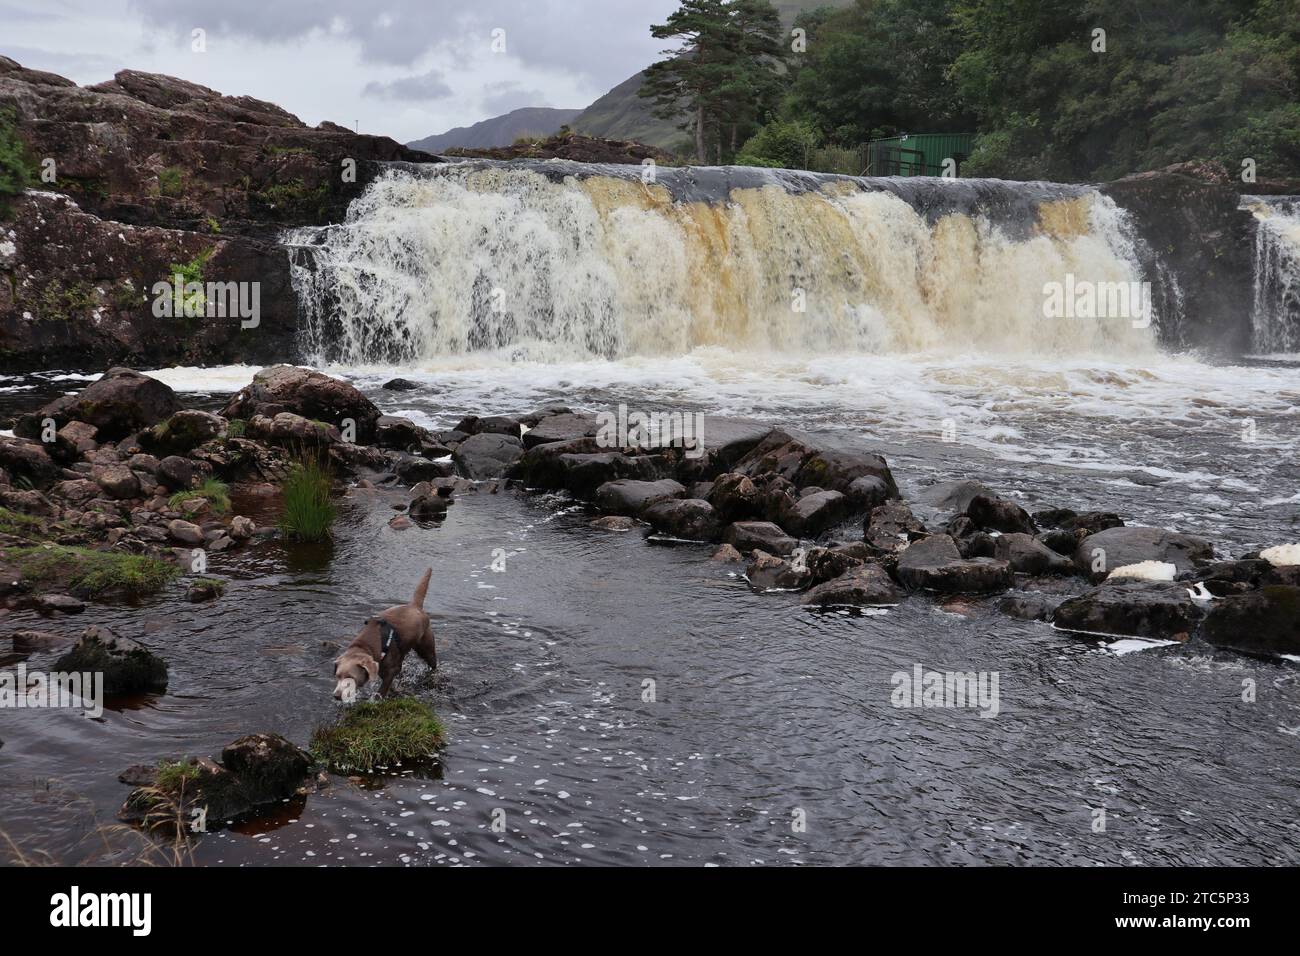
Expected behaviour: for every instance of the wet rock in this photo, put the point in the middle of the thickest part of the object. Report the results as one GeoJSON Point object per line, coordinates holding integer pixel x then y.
{"type": "Point", "coordinates": [411, 469]}
{"type": "Point", "coordinates": [583, 474]}
{"type": "Point", "coordinates": [428, 507]}
{"type": "Point", "coordinates": [201, 591]}
{"type": "Point", "coordinates": [735, 498]}
{"type": "Point", "coordinates": [979, 544]}
{"type": "Point", "coordinates": [892, 526]}
{"type": "Point", "coordinates": [614, 523]}
{"type": "Point", "coordinates": [867, 585]}
{"type": "Point", "coordinates": [767, 572]}
{"type": "Point", "coordinates": [118, 482]}
{"type": "Point", "coordinates": [392, 431]}
{"type": "Point", "coordinates": [935, 564]}
{"type": "Point", "coordinates": [803, 463]}
{"type": "Point", "coordinates": [27, 642]}
{"type": "Point", "coordinates": [811, 514]}
{"type": "Point", "coordinates": [121, 402]}
{"type": "Point", "coordinates": [725, 441]}
{"type": "Point", "coordinates": [400, 522]}
{"type": "Point", "coordinates": [631, 497]}
{"type": "Point", "coordinates": [541, 465]}
{"type": "Point", "coordinates": [560, 428]}
{"type": "Point", "coordinates": [143, 464]}
{"type": "Point", "coordinates": [399, 385]}
{"type": "Point", "coordinates": [1113, 548]}
{"type": "Point", "coordinates": [727, 554]}
{"type": "Point", "coordinates": [500, 425]}
{"type": "Point", "coordinates": [1091, 522]}
{"type": "Point", "coordinates": [128, 666]}
{"type": "Point", "coordinates": [826, 564]}
{"type": "Point", "coordinates": [1156, 610]}
{"type": "Point", "coordinates": [186, 532]}
{"type": "Point", "coordinates": [307, 394]}
{"type": "Point", "coordinates": [76, 491]}
{"type": "Point", "coordinates": [867, 492]}
{"type": "Point", "coordinates": [952, 497]}
{"type": "Point", "coordinates": [59, 604]}
{"type": "Point", "coordinates": [993, 513]}
{"type": "Point", "coordinates": [184, 432]}
{"type": "Point", "coordinates": [487, 456]}
{"type": "Point", "coordinates": [690, 519]}
{"type": "Point", "coordinates": [1029, 556]}
{"type": "Point", "coordinates": [1061, 541]}
{"type": "Point", "coordinates": [1030, 605]}
{"type": "Point", "coordinates": [748, 536]}
{"type": "Point", "coordinates": [241, 528]}
{"type": "Point", "coordinates": [267, 762]}
{"type": "Point", "coordinates": [1266, 621]}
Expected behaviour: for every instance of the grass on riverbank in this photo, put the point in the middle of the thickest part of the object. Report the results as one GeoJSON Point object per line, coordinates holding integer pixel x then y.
{"type": "Point", "coordinates": [216, 493]}
{"type": "Point", "coordinates": [19, 524]}
{"type": "Point", "coordinates": [308, 510]}
{"type": "Point", "coordinates": [93, 572]}
{"type": "Point", "coordinates": [374, 734]}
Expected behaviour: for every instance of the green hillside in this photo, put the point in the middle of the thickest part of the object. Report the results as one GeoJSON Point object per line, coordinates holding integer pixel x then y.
{"type": "Point", "coordinates": [621, 114]}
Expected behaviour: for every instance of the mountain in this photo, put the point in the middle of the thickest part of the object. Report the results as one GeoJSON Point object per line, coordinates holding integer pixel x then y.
{"type": "Point", "coordinates": [622, 114]}
{"type": "Point", "coordinates": [499, 130]}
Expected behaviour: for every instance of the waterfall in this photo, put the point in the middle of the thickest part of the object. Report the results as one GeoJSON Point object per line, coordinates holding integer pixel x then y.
{"type": "Point", "coordinates": [554, 261]}
{"type": "Point", "coordinates": [1276, 313]}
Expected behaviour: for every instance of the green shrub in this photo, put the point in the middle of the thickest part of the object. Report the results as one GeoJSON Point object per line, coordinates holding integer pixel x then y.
{"type": "Point", "coordinates": [192, 271]}
{"type": "Point", "coordinates": [308, 510]}
{"type": "Point", "coordinates": [171, 182]}
{"type": "Point", "coordinates": [216, 493]}
{"type": "Point", "coordinates": [18, 524]}
{"type": "Point", "coordinates": [92, 572]}
{"type": "Point", "coordinates": [16, 171]}
{"type": "Point", "coordinates": [380, 733]}
{"type": "Point", "coordinates": [781, 143]}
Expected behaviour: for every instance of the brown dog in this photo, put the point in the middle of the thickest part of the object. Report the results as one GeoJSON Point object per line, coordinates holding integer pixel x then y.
{"type": "Point", "coordinates": [382, 645]}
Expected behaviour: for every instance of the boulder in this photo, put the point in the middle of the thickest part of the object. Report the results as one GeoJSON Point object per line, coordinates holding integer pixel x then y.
{"type": "Point", "coordinates": [1155, 610]}
{"type": "Point", "coordinates": [292, 430]}
{"type": "Point", "coordinates": [826, 564]}
{"type": "Point", "coordinates": [725, 441]}
{"type": "Point", "coordinates": [128, 666]}
{"type": "Point", "coordinates": [628, 496]}
{"type": "Point", "coordinates": [767, 572]}
{"type": "Point", "coordinates": [185, 532]}
{"type": "Point", "coordinates": [867, 585]}
{"type": "Point", "coordinates": [75, 439]}
{"type": "Point", "coordinates": [399, 385]}
{"type": "Point", "coordinates": [1099, 553]}
{"type": "Point", "coordinates": [487, 455]}
{"type": "Point", "coordinates": [690, 519]}
{"type": "Point", "coordinates": [583, 474]}
{"type": "Point", "coordinates": [541, 467]}
{"type": "Point", "coordinates": [1029, 556]}
{"type": "Point", "coordinates": [267, 764]}
{"type": "Point", "coordinates": [306, 393]}
{"type": "Point", "coordinates": [560, 428]}
{"type": "Point", "coordinates": [120, 402]}
{"type": "Point", "coordinates": [29, 461]}
{"type": "Point", "coordinates": [614, 523]}
{"type": "Point", "coordinates": [811, 514]}
{"type": "Point", "coordinates": [994, 513]}
{"type": "Point", "coordinates": [735, 497]}
{"type": "Point", "coordinates": [952, 497]}
{"type": "Point", "coordinates": [392, 431]}
{"type": "Point", "coordinates": [935, 564]}
{"type": "Point", "coordinates": [118, 481]}
{"type": "Point", "coordinates": [802, 462]}
{"type": "Point", "coordinates": [1264, 621]}
{"type": "Point", "coordinates": [176, 473]}
{"type": "Point", "coordinates": [1030, 605]}
{"type": "Point", "coordinates": [747, 536]}
{"type": "Point", "coordinates": [727, 554]}
{"type": "Point", "coordinates": [184, 432]}
{"type": "Point", "coordinates": [412, 469]}
{"type": "Point", "coordinates": [892, 526]}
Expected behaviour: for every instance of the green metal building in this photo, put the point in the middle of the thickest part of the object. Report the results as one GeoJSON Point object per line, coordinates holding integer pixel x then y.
{"type": "Point", "coordinates": [917, 154]}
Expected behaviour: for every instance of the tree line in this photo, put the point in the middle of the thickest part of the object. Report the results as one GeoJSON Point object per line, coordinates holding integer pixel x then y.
{"type": "Point", "coordinates": [1068, 90]}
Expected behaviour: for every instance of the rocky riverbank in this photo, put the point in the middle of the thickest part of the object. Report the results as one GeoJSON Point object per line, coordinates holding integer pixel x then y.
{"type": "Point", "coordinates": [116, 491]}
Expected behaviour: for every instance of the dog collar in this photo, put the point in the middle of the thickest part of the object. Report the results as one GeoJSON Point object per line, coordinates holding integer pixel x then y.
{"type": "Point", "coordinates": [387, 634]}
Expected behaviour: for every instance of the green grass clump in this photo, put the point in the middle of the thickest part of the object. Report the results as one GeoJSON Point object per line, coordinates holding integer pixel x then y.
{"type": "Point", "coordinates": [216, 493]}
{"type": "Point", "coordinates": [308, 510]}
{"type": "Point", "coordinates": [92, 572]}
{"type": "Point", "coordinates": [379, 734]}
{"type": "Point", "coordinates": [236, 428]}
{"type": "Point", "coordinates": [171, 182]}
{"type": "Point", "coordinates": [18, 524]}
{"type": "Point", "coordinates": [16, 170]}
{"type": "Point", "coordinates": [174, 774]}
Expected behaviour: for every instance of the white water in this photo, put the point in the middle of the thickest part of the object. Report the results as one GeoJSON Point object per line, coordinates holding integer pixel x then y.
{"type": "Point", "coordinates": [1276, 313]}
{"type": "Point", "coordinates": [462, 258]}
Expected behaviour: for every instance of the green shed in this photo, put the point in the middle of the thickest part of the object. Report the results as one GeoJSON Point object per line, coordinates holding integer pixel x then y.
{"type": "Point", "coordinates": [917, 154]}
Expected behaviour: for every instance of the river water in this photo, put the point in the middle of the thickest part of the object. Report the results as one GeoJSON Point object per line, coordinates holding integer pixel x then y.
{"type": "Point", "coordinates": [771, 738]}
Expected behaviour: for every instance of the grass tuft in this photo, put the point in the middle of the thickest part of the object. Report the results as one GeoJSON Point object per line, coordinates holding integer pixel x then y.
{"type": "Point", "coordinates": [18, 524]}
{"type": "Point", "coordinates": [91, 571]}
{"type": "Point", "coordinates": [216, 493]}
{"type": "Point", "coordinates": [380, 733]}
{"type": "Point", "coordinates": [308, 510]}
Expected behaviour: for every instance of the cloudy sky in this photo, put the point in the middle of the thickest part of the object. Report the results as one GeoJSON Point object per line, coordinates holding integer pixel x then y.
{"type": "Point", "coordinates": [402, 68]}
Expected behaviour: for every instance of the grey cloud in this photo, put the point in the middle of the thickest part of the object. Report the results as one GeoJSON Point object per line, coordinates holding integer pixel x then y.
{"type": "Point", "coordinates": [605, 40]}
{"type": "Point", "coordinates": [425, 86]}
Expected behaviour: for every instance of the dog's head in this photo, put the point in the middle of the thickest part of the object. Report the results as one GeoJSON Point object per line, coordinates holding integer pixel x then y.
{"type": "Point", "coordinates": [353, 668]}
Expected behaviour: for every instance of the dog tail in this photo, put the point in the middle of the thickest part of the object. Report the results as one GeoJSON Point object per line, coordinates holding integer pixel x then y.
{"type": "Point", "coordinates": [422, 589]}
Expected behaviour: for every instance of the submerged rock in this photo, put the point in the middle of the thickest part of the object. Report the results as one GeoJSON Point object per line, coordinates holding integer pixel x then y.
{"type": "Point", "coordinates": [767, 572]}
{"type": "Point", "coordinates": [864, 586]}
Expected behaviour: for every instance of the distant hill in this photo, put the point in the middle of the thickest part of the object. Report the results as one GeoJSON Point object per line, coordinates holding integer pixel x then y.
{"type": "Point", "coordinates": [622, 114]}
{"type": "Point", "coordinates": [499, 130]}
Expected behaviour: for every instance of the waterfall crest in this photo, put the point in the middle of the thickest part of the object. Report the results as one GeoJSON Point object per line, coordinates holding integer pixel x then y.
{"type": "Point", "coordinates": [1276, 312]}
{"type": "Point", "coordinates": [549, 261]}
